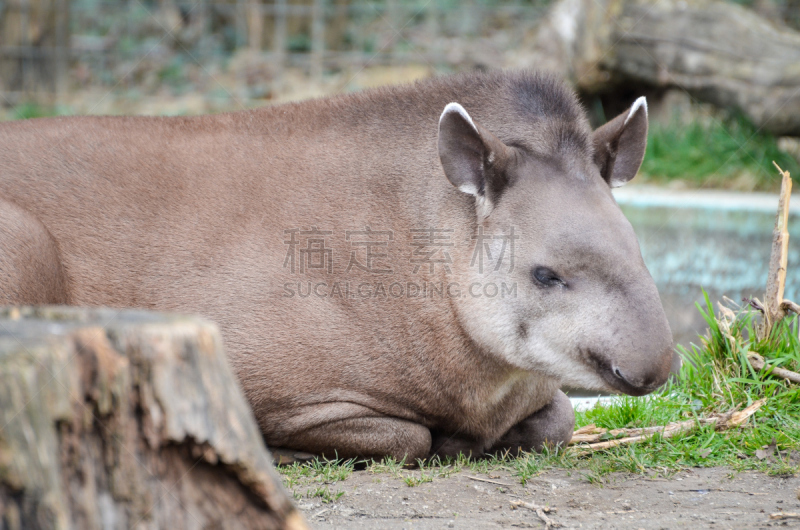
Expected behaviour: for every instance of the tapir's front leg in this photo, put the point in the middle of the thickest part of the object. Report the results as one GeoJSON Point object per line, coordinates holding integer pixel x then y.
{"type": "Point", "coordinates": [551, 425]}
{"type": "Point", "coordinates": [366, 437]}
{"type": "Point", "coordinates": [444, 445]}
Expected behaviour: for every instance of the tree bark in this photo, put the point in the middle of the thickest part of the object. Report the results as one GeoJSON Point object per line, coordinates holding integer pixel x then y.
{"type": "Point", "coordinates": [718, 52]}
{"type": "Point", "coordinates": [127, 419]}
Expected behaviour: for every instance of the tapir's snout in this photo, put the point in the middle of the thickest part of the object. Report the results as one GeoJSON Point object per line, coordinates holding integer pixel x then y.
{"type": "Point", "coordinates": [641, 382]}
{"type": "Point", "coordinates": [639, 372]}
{"type": "Point", "coordinates": [640, 354]}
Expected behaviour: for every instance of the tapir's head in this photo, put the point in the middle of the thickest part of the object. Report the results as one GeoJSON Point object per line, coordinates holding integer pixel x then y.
{"type": "Point", "coordinates": [586, 310]}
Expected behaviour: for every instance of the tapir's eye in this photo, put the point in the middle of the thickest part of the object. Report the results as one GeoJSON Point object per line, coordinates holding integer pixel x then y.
{"type": "Point", "coordinates": [547, 277]}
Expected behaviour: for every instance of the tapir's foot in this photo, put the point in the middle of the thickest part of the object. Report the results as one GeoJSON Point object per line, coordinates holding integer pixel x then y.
{"type": "Point", "coordinates": [550, 426]}
{"type": "Point", "coordinates": [374, 437]}
{"type": "Point", "coordinates": [453, 446]}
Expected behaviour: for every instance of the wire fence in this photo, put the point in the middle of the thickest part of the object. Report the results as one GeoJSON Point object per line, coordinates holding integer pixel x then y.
{"type": "Point", "coordinates": [48, 47]}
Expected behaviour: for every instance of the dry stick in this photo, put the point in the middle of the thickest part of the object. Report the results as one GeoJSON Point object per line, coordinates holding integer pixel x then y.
{"type": "Point", "coordinates": [479, 479]}
{"type": "Point", "coordinates": [586, 429]}
{"type": "Point", "coordinates": [778, 260]}
{"type": "Point", "coordinates": [788, 305]}
{"type": "Point", "coordinates": [775, 307]}
{"type": "Point", "coordinates": [548, 523]}
{"type": "Point", "coordinates": [784, 515]}
{"type": "Point", "coordinates": [591, 434]}
{"type": "Point", "coordinates": [722, 422]}
{"type": "Point", "coordinates": [757, 362]}
{"type": "Point", "coordinates": [586, 435]}
{"type": "Point", "coordinates": [531, 506]}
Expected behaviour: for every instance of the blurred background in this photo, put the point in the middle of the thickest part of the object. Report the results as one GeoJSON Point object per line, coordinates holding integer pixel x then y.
{"type": "Point", "coordinates": [722, 79]}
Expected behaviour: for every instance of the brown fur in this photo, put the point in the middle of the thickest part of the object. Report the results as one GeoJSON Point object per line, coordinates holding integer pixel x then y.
{"type": "Point", "coordinates": [188, 215]}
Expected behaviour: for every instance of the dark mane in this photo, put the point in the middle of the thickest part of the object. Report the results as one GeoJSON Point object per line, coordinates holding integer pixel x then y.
{"type": "Point", "coordinates": [533, 110]}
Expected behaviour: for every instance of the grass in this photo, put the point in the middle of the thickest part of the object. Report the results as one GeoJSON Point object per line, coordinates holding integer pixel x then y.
{"type": "Point", "coordinates": [728, 153]}
{"type": "Point", "coordinates": [317, 476]}
{"type": "Point", "coordinates": [715, 377]}
{"type": "Point", "coordinates": [26, 111]}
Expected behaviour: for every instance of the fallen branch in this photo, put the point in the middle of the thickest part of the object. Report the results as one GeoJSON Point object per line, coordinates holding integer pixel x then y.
{"type": "Point", "coordinates": [757, 362]}
{"type": "Point", "coordinates": [540, 512]}
{"type": "Point", "coordinates": [592, 435]}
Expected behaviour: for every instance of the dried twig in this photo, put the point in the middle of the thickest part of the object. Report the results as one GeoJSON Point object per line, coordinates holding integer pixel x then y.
{"type": "Point", "coordinates": [754, 303]}
{"type": "Point", "coordinates": [784, 515]}
{"type": "Point", "coordinates": [540, 512]}
{"type": "Point", "coordinates": [757, 362]}
{"type": "Point", "coordinates": [778, 260]}
{"type": "Point", "coordinates": [489, 481]}
{"type": "Point", "coordinates": [548, 523]}
{"type": "Point", "coordinates": [788, 305]}
{"type": "Point", "coordinates": [531, 506]}
{"type": "Point", "coordinates": [592, 436]}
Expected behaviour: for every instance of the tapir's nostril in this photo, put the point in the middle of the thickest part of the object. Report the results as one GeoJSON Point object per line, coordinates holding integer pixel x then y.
{"type": "Point", "coordinates": [633, 379]}
{"type": "Point", "coordinates": [636, 385]}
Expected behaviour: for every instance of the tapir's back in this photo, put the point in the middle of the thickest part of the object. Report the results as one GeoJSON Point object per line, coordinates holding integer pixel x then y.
{"type": "Point", "coordinates": [137, 200]}
{"type": "Point", "coordinates": [123, 197]}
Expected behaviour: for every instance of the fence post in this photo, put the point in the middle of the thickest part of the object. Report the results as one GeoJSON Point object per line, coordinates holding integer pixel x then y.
{"type": "Point", "coordinates": [62, 47]}
{"type": "Point", "coordinates": [432, 29]}
{"type": "Point", "coordinates": [26, 56]}
{"type": "Point", "coordinates": [255, 24]}
{"type": "Point", "coordinates": [279, 39]}
{"type": "Point", "coordinates": [317, 38]}
{"type": "Point", "coordinates": [240, 19]}
{"type": "Point", "coordinates": [392, 19]}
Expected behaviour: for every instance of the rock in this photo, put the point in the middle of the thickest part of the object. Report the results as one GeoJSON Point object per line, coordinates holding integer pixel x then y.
{"type": "Point", "coordinates": [791, 146]}
{"type": "Point", "coordinates": [127, 419]}
{"type": "Point", "coordinates": [717, 52]}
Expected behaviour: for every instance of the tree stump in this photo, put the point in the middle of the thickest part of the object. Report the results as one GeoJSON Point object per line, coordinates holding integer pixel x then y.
{"type": "Point", "coordinates": [127, 419]}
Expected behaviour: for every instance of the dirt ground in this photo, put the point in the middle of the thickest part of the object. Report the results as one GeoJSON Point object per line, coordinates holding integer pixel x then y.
{"type": "Point", "coordinates": [696, 498]}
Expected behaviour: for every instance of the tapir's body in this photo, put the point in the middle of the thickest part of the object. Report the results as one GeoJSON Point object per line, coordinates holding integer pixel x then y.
{"type": "Point", "coordinates": [212, 215]}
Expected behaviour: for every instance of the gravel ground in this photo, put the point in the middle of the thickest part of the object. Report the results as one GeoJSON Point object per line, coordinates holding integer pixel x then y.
{"type": "Point", "coordinates": [696, 498]}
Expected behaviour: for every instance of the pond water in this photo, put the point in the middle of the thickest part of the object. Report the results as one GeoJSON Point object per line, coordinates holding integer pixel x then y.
{"type": "Point", "coordinates": [713, 240]}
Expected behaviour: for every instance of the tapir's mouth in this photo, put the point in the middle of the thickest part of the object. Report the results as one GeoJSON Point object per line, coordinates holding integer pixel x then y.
{"type": "Point", "coordinates": [614, 378]}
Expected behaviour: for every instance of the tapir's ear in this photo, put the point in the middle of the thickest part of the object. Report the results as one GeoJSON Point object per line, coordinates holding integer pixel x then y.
{"type": "Point", "coordinates": [619, 144]}
{"type": "Point", "coordinates": [473, 158]}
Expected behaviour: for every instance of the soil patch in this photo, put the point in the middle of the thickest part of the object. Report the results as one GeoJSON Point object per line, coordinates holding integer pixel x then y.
{"type": "Point", "coordinates": [694, 498]}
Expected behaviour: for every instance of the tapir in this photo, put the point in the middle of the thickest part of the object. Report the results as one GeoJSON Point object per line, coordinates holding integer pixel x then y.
{"type": "Point", "coordinates": [406, 271]}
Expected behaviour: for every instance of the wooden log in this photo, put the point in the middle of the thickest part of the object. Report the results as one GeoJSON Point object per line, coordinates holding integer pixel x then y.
{"type": "Point", "coordinates": [127, 419]}
{"type": "Point", "coordinates": [718, 52]}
